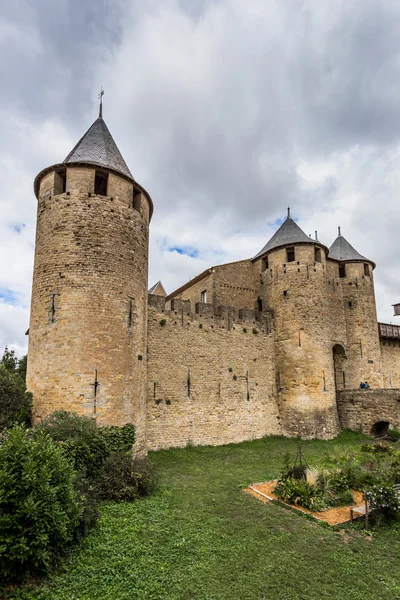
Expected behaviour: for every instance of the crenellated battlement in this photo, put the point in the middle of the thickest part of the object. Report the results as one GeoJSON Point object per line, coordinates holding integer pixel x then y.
{"type": "Point", "coordinates": [179, 312]}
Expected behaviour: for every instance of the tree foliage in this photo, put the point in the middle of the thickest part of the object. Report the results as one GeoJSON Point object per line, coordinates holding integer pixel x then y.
{"type": "Point", "coordinates": [39, 507]}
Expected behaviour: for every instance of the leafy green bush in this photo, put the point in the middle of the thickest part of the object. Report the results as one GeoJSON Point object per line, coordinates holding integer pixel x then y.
{"type": "Point", "coordinates": [126, 479]}
{"type": "Point", "coordinates": [39, 507]}
{"type": "Point", "coordinates": [118, 439]}
{"type": "Point", "coordinates": [394, 434]}
{"type": "Point", "coordinates": [383, 498]}
{"type": "Point", "coordinates": [297, 491]}
{"type": "Point", "coordinates": [79, 437]}
{"type": "Point", "coordinates": [15, 401]}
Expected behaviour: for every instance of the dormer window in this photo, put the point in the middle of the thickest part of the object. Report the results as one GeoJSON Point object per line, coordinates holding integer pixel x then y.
{"type": "Point", "coordinates": [203, 296]}
{"type": "Point", "coordinates": [317, 255]}
{"type": "Point", "coordinates": [100, 183]}
{"type": "Point", "coordinates": [137, 200]}
{"type": "Point", "coordinates": [60, 182]}
{"type": "Point", "coordinates": [264, 264]}
{"type": "Point", "coordinates": [290, 254]}
{"type": "Point", "coordinates": [342, 270]}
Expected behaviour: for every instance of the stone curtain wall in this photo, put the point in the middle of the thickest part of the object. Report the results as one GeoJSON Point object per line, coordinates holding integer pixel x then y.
{"type": "Point", "coordinates": [359, 410]}
{"type": "Point", "coordinates": [390, 352]}
{"type": "Point", "coordinates": [209, 382]}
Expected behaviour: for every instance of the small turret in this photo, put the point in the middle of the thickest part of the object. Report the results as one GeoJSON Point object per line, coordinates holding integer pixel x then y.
{"type": "Point", "coordinates": [355, 273]}
{"type": "Point", "coordinates": [292, 269]}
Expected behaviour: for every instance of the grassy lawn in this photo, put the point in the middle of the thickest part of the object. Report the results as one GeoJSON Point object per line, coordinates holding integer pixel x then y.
{"type": "Point", "coordinates": [200, 537]}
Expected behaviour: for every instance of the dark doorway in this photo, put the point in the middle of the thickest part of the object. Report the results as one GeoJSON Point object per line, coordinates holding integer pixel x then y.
{"type": "Point", "coordinates": [380, 429]}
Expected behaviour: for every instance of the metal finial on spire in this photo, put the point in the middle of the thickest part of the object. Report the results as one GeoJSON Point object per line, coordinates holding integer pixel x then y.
{"type": "Point", "coordinates": [339, 231]}
{"type": "Point", "coordinates": [316, 236]}
{"type": "Point", "coordinates": [288, 212]}
{"type": "Point", "coordinates": [101, 102]}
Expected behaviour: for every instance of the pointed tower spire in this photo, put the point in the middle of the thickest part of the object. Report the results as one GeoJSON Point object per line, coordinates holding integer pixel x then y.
{"type": "Point", "coordinates": [288, 233]}
{"type": "Point", "coordinates": [101, 103]}
{"type": "Point", "coordinates": [98, 147]}
{"type": "Point", "coordinates": [342, 250]}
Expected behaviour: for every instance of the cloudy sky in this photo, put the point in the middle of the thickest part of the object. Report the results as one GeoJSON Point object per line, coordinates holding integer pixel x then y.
{"type": "Point", "coordinates": [226, 112]}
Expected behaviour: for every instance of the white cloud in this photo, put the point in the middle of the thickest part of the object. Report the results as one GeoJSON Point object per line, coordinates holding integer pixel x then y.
{"type": "Point", "coordinates": [227, 112]}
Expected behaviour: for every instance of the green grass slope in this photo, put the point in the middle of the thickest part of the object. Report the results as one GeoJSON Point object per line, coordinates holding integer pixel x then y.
{"type": "Point", "coordinates": [200, 537]}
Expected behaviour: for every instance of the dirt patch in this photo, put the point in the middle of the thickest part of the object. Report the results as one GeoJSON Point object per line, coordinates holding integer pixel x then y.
{"type": "Point", "coordinates": [332, 516]}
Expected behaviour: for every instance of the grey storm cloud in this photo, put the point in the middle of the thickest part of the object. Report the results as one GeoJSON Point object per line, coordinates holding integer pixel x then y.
{"type": "Point", "coordinates": [226, 111]}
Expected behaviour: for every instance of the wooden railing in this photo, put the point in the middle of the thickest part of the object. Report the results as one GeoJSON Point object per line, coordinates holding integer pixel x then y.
{"type": "Point", "coordinates": [389, 331]}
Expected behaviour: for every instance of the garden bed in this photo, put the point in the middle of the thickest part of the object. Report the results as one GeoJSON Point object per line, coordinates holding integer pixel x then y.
{"type": "Point", "coordinates": [333, 516]}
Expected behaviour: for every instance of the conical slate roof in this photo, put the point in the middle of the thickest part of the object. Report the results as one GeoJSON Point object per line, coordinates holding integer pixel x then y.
{"type": "Point", "coordinates": [97, 146]}
{"type": "Point", "coordinates": [288, 233]}
{"type": "Point", "coordinates": [342, 250]}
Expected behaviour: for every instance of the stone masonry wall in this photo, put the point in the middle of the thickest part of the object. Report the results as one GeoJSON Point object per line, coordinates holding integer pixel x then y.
{"type": "Point", "coordinates": [296, 293]}
{"type": "Point", "coordinates": [363, 346]}
{"type": "Point", "coordinates": [89, 302]}
{"type": "Point", "coordinates": [231, 284]}
{"type": "Point", "coordinates": [390, 352]}
{"type": "Point", "coordinates": [209, 381]}
{"type": "Point", "coordinates": [361, 409]}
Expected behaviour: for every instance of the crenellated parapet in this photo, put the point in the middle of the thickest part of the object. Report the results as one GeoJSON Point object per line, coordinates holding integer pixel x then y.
{"type": "Point", "coordinates": [180, 312]}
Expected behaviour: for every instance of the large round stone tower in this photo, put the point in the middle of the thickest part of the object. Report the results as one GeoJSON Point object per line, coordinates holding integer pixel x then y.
{"type": "Point", "coordinates": [293, 284]}
{"type": "Point", "coordinates": [88, 326]}
{"type": "Point", "coordinates": [363, 355]}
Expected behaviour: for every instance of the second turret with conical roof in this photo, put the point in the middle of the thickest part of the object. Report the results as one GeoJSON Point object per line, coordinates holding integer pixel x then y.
{"type": "Point", "coordinates": [292, 271]}
{"type": "Point", "coordinates": [88, 327]}
{"type": "Point", "coordinates": [362, 346]}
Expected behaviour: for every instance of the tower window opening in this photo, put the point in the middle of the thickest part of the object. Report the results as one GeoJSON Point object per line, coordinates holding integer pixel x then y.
{"type": "Point", "coordinates": [137, 200]}
{"type": "Point", "coordinates": [366, 269]}
{"type": "Point", "coordinates": [285, 293]}
{"type": "Point", "coordinates": [259, 304]}
{"type": "Point", "coordinates": [100, 183]}
{"type": "Point", "coordinates": [264, 264]}
{"type": "Point", "coordinates": [317, 255]}
{"type": "Point", "coordinates": [203, 296]}
{"type": "Point", "coordinates": [290, 254]}
{"type": "Point", "coordinates": [60, 182]}
{"type": "Point", "coordinates": [342, 270]}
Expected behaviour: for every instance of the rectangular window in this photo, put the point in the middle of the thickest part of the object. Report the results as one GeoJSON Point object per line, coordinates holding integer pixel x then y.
{"type": "Point", "coordinates": [290, 254]}
{"type": "Point", "coordinates": [317, 255]}
{"type": "Point", "coordinates": [60, 182]}
{"type": "Point", "coordinates": [137, 200]}
{"type": "Point", "coordinates": [203, 296]}
{"type": "Point", "coordinates": [100, 183]}
{"type": "Point", "coordinates": [264, 264]}
{"type": "Point", "coordinates": [366, 269]}
{"type": "Point", "coordinates": [259, 304]}
{"type": "Point", "coordinates": [342, 270]}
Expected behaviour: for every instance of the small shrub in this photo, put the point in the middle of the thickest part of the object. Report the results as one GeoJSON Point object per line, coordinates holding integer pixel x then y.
{"type": "Point", "coordinates": [126, 479]}
{"type": "Point", "coordinates": [200, 325]}
{"type": "Point", "coordinates": [15, 401]}
{"type": "Point", "coordinates": [244, 330]}
{"type": "Point", "coordinates": [255, 331]}
{"type": "Point", "coordinates": [118, 438]}
{"type": "Point", "coordinates": [394, 434]}
{"type": "Point", "coordinates": [297, 491]}
{"type": "Point", "coordinates": [89, 492]}
{"type": "Point", "coordinates": [39, 507]}
{"type": "Point", "coordinates": [163, 322]}
{"type": "Point", "coordinates": [383, 498]}
{"type": "Point", "coordinates": [79, 437]}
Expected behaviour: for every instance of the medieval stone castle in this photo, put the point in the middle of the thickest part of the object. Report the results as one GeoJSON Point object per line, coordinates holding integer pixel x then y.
{"type": "Point", "coordinates": [276, 344]}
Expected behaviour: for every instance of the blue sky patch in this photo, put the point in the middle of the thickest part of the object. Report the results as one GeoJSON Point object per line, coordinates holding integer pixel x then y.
{"type": "Point", "coordinates": [8, 296]}
{"type": "Point", "coordinates": [18, 227]}
{"type": "Point", "coordinates": [192, 252]}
